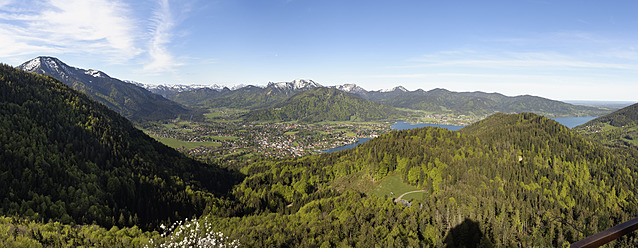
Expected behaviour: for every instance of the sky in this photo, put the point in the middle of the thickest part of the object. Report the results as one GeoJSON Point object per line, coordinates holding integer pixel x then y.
{"type": "Point", "coordinates": [564, 50]}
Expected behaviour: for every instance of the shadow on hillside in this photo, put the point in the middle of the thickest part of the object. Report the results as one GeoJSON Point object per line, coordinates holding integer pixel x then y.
{"type": "Point", "coordinates": [467, 234]}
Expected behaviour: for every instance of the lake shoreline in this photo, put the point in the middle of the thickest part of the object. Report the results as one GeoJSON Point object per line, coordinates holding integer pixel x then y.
{"type": "Point", "coordinates": [569, 122]}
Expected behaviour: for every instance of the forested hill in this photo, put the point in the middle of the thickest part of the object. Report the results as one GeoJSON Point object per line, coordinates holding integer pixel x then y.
{"type": "Point", "coordinates": [323, 104]}
{"type": "Point", "coordinates": [509, 180]}
{"type": "Point", "coordinates": [622, 117]}
{"type": "Point", "coordinates": [65, 157]}
{"type": "Point", "coordinates": [619, 128]}
{"type": "Point", "coordinates": [131, 101]}
{"type": "Point", "coordinates": [478, 103]}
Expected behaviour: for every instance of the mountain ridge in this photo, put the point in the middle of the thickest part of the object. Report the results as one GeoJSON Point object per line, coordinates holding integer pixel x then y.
{"type": "Point", "coordinates": [619, 128]}
{"type": "Point", "coordinates": [438, 100]}
{"type": "Point", "coordinates": [130, 100]}
{"type": "Point", "coordinates": [322, 104]}
{"type": "Point", "coordinates": [69, 158]}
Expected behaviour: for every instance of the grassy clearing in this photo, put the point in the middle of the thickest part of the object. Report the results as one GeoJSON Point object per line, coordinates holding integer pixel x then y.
{"type": "Point", "coordinates": [608, 127]}
{"type": "Point", "coordinates": [221, 137]}
{"type": "Point", "coordinates": [414, 196]}
{"type": "Point", "coordinates": [350, 134]}
{"type": "Point", "coordinates": [360, 181]}
{"type": "Point", "coordinates": [395, 185]}
{"type": "Point", "coordinates": [169, 125]}
{"type": "Point", "coordinates": [174, 143]}
{"type": "Point", "coordinates": [225, 114]}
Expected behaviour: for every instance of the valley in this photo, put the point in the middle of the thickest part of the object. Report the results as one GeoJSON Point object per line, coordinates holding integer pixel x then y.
{"type": "Point", "coordinates": [265, 182]}
{"type": "Point", "coordinates": [318, 124]}
{"type": "Point", "coordinates": [237, 140]}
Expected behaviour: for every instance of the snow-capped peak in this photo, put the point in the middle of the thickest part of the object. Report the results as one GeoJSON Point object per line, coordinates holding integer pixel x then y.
{"type": "Point", "coordinates": [398, 88]}
{"type": "Point", "coordinates": [159, 88]}
{"type": "Point", "coordinates": [94, 73]}
{"type": "Point", "coordinates": [48, 65]}
{"type": "Point", "coordinates": [295, 84]}
{"type": "Point", "coordinates": [31, 65]}
{"type": "Point", "coordinates": [350, 88]}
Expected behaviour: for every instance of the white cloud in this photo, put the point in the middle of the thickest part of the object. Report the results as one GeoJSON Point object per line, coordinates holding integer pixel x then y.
{"type": "Point", "coordinates": [95, 27]}
{"type": "Point", "coordinates": [163, 23]}
{"type": "Point", "coordinates": [536, 61]}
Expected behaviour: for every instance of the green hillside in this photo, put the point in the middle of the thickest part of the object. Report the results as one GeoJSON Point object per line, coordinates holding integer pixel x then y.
{"type": "Point", "coordinates": [323, 104]}
{"type": "Point", "coordinates": [506, 181]}
{"type": "Point", "coordinates": [479, 103]}
{"type": "Point", "coordinates": [197, 97]}
{"type": "Point", "coordinates": [67, 158]}
{"type": "Point", "coordinates": [619, 128]}
{"type": "Point", "coordinates": [622, 117]}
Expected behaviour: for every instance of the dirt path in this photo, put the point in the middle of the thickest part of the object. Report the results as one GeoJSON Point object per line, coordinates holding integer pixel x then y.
{"type": "Point", "coordinates": [401, 196]}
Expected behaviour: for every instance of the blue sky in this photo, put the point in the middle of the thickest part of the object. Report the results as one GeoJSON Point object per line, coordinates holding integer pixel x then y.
{"type": "Point", "coordinates": [565, 50]}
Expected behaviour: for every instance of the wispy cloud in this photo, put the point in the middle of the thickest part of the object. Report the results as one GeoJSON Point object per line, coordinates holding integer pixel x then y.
{"type": "Point", "coordinates": [97, 27]}
{"type": "Point", "coordinates": [162, 26]}
{"type": "Point", "coordinates": [504, 61]}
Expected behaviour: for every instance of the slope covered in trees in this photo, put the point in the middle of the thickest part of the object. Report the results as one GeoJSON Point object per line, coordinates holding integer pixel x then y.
{"type": "Point", "coordinates": [67, 158]}
{"type": "Point", "coordinates": [249, 97]}
{"type": "Point", "coordinates": [619, 128]}
{"type": "Point", "coordinates": [506, 181]}
{"type": "Point", "coordinates": [478, 103]}
{"type": "Point", "coordinates": [323, 104]}
{"type": "Point", "coordinates": [622, 117]}
{"type": "Point", "coordinates": [131, 101]}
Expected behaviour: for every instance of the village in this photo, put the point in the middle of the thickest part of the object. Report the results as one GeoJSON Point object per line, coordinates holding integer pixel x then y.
{"type": "Point", "coordinates": [231, 140]}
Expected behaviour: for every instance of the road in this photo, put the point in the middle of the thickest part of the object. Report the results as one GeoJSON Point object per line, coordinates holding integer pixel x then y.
{"type": "Point", "coordinates": [401, 196]}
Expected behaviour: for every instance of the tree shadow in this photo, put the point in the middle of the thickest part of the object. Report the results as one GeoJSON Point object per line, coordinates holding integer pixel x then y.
{"type": "Point", "coordinates": [467, 234]}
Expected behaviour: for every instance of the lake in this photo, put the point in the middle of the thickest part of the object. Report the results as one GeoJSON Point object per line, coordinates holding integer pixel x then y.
{"type": "Point", "coordinates": [348, 146]}
{"type": "Point", "coordinates": [572, 122]}
{"type": "Point", "coordinates": [569, 122]}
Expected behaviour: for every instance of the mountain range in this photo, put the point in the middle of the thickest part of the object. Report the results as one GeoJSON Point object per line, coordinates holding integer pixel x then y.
{"type": "Point", "coordinates": [130, 100]}
{"type": "Point", "coordinates": [505, 181]}
{"type": "Point", "coordinates": [140, 102]}
{"type": "Point", "coordinates": [436, 101]}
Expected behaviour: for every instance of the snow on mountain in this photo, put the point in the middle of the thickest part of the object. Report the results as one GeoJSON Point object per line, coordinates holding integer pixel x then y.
{"type": "Point", "coordinates": [183, 87]}
{"type": "Point", "coordinates": [237, 86]}
{"type": "Point", "coordinates": [46, 64]}
{"type": "Point", "coordinates": [350, 88]}
{"type": "Point", "coordinates": [53, 66]}
{"type": "Point", "coordinates": [31, 65]}
{"type": "Point", "coordinates": [295, 85]}
{"type": "Point", "coordinates": [95, 73]}
{"type": "Point", "coordinates": [398, 88]}
{"type": "Point", "coordinates": [176, 88]}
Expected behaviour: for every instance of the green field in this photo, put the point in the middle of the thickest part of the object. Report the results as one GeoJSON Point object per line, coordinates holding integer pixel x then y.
{"type": "Point", "coordinates": [174, 143]}
{"type": "Point", "coordinates": [221, 137]}
{"type": "Point", "coordinates": [395, 185]}
{"type": "Point", "coordinates": [224, 114]}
